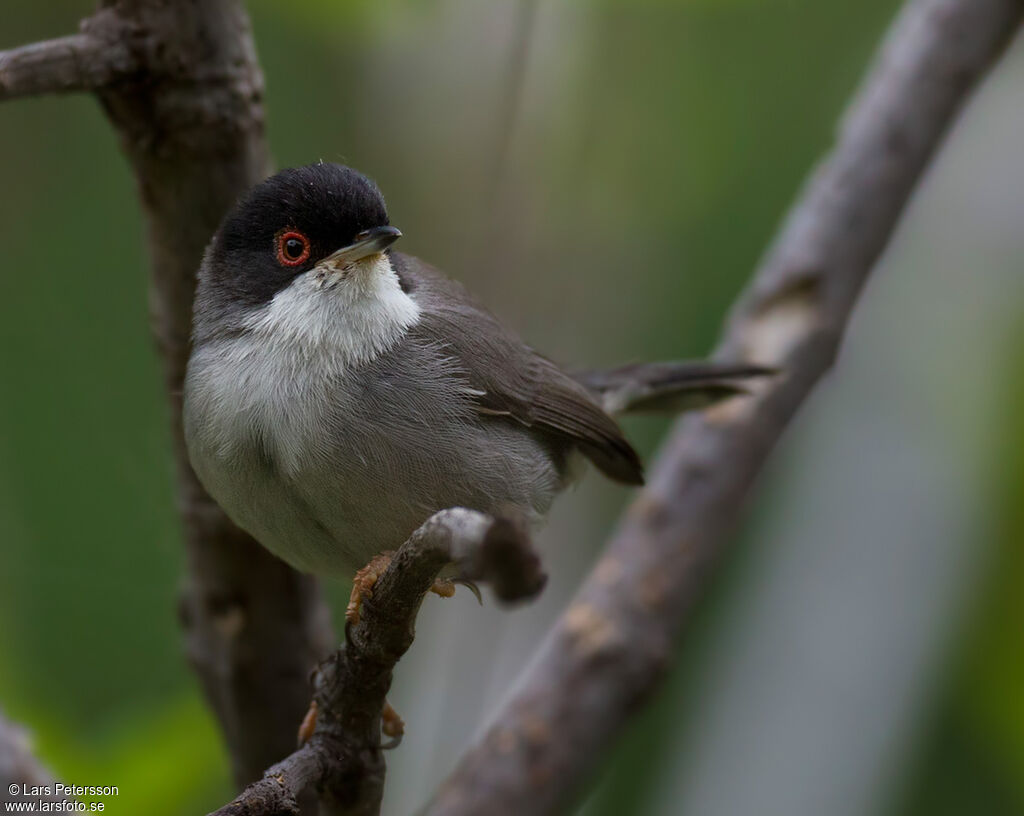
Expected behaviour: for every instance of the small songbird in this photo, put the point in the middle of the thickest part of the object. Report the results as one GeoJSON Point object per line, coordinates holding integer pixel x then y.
{"type": "Point", "coordinates": [339, 393]}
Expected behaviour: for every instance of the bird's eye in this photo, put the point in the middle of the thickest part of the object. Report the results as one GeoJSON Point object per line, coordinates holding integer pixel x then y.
{"type": "Point", "coordinates": [292, 248]}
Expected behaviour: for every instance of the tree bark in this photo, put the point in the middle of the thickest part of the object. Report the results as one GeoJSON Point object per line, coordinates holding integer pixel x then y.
{"type": "Point", "coordinates": [343, 759]}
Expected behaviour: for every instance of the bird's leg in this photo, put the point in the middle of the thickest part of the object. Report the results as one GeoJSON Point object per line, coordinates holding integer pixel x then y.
{"type": "Point", "coordinates": [391, 725]}
{"type": "Point", "coordinates": [362, 584]}
{"type": "Point", "coordinates": [308, 724]}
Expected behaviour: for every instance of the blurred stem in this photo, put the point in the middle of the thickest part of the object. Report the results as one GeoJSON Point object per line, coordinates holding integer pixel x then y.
{"type": "Point", "coordinates": [512, 97]}
{"type": "Point", "coordinates": [495, 244]}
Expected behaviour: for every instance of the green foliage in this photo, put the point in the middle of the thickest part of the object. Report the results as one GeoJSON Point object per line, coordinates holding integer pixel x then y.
{"type": "Point", "coordinates": [973, 760]}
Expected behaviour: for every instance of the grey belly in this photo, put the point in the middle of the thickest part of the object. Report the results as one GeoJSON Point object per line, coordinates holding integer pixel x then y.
{"type": "Point", "coordinates": [371, 503]}
{"type": "Point", "coordinates": [335, 513]}
{"type": "Point", "coordinates": [326, 490]}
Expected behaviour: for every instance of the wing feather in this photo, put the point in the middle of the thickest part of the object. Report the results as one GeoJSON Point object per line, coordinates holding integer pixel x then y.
{"type": "Point", "coordinates": [509, 380]}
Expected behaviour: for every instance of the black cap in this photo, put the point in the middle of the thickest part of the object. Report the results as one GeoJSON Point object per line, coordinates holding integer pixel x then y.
{"type": "Point", "coordinates": [285, 225]}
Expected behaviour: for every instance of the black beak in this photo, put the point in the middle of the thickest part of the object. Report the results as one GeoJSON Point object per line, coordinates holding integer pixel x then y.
{"type": "Point", "coordinates": [368, 242]}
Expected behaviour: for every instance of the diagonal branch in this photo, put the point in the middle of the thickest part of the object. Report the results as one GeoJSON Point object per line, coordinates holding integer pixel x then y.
{"type": "Point", "coordinates": [610, 647]}
{"type": "Point", "coordinates": [344, 758]}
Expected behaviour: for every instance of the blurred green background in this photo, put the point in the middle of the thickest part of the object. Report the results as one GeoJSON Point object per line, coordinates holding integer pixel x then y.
{"type": "Point", "coordinates": [605, 174]}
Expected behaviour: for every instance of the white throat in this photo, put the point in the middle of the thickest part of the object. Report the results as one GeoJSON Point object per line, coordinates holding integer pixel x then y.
{"type": "Point", "coordinates": [352, 316]}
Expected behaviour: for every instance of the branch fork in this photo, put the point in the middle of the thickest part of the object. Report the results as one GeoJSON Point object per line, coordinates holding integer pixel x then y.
{"type": "Point", "coordinates": [343, 758]}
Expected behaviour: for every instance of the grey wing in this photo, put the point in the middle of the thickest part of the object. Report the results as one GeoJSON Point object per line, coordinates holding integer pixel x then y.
{"type": "Point", "coordinates": [510, 381]}
{"type": "Point", "coordinates": [668, 387]}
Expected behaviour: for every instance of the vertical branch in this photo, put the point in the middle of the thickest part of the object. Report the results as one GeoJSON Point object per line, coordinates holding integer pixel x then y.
{"type": "Point", "coordinates": [191, 124]}
{"type": "Point", "coordinates": [180, 82]}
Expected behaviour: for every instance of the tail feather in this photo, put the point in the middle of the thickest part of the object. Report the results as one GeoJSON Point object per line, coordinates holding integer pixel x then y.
{"type": "Point", "coordinates": [668, 387]}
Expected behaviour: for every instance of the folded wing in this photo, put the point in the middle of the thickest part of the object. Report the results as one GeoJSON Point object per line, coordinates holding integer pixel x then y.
{"type": "Point", "coordinates": [509, 380]}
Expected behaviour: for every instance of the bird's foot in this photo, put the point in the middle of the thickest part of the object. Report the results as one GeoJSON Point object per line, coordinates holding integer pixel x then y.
{"type": "Point", "coordinates": [443, 587]}
{"type": "Point", "coordinates": [364, 580]}
{"type": "Point", "coordinates": [472, 587]}
{"type": "Point", "coordinates": [362, 584]}
{"type": "Point", "coordinates": [308, 724]}
{"type": "Point", "coordinates": [391, 725]}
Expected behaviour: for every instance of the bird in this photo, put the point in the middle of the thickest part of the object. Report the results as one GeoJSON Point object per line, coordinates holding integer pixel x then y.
{"type": "Point", "coordinates": [338, 392]}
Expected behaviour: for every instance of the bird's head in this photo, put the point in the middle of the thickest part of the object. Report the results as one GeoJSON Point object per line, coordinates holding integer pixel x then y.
{"type": "Point", "coordinates": [303, 238]}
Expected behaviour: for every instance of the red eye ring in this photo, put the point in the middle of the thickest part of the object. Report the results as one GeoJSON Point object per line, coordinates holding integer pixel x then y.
{"type": "Point", "coordinates": [287, 243]}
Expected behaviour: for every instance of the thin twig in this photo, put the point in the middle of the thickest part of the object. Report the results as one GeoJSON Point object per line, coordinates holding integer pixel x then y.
{"type": "Point", "coordinates": [344, 758]}
{"type": "Point", "coordinates": [78, 62]}
{"type": "Point", "coordinates": [511, 97]}
{"type": "Point", "coordinates": [610, 647]}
